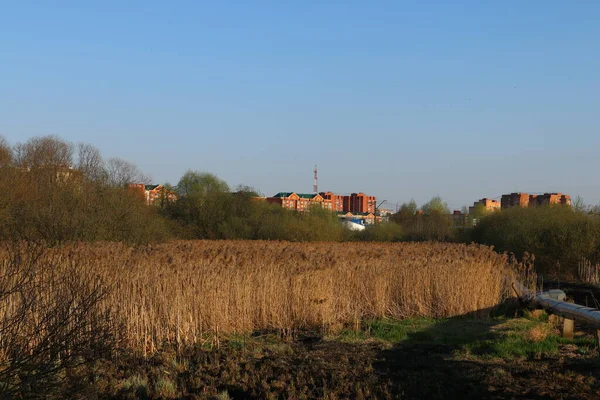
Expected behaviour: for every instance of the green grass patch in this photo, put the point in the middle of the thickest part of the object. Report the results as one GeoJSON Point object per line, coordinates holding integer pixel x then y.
{"type": "Point", "coordinates": [529, 337]}
{"type": "Point", "coordinates": [524, 338]}
{"type": "Point", "coordinates": [420, 331]}
{"type": "Point", "coordinates": [135, 386]}
{"type": "Point", "coordinates": [393, 331]}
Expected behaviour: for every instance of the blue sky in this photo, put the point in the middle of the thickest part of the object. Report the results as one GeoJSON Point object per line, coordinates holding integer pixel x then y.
{"type": "Point", "coordinates": [399, 99]}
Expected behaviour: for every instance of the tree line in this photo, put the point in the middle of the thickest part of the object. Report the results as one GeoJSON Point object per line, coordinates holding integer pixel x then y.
{"type": "Point", "coordinates": [557, 237]}
{"type": "Point", "coordinates": [56, 191]}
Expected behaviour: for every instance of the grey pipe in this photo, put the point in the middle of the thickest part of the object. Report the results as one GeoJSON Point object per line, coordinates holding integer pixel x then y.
{"type": "Point", "coordinates": [552, 301]}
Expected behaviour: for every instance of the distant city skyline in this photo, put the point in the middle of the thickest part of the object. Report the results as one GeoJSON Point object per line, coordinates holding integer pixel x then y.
{"type": "Point", "coordinates": [400, 100]}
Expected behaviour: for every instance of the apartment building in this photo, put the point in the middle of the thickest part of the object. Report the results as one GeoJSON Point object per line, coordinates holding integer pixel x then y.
{"type": "Point", "coordinates": [514, 200]}
{"type": "Point", "coordinates": [152, 194]}
{"type": "Point", "coordinates": [554, 198]}
{"type": "Point", "coordinates": [487, 204]}
{"type": "Point", "coordinates": [356, 203]}
{"type": "Point", "coordinates": [337, 201]}
{"type": "Point", "coordinates": [299, 201]}
{"type": "Point", "coordinates": [360, 203]}
{"type": "Point", "coordinates": [526, 200]}
{"type": "Point", "coordinates": [60, 174]}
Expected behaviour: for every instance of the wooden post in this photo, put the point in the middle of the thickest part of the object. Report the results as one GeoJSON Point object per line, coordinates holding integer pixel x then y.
{"type": "Point", "coordinates": [568, 328]}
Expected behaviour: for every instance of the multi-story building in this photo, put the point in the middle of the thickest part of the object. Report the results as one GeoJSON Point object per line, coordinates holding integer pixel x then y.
{"type": "Point", "coordinates": [61, 174]}
{"type": "Point", "coordinates": [486, 204]}
{"type": "Point", "coordinates": [138, 189]}
{"type": "Point", "coordinates": [299, 201]}
{"type": "Point", "coordinates": [337, 201]}
{"type": "Point", "coordinates": [356, 203]}
{"type": "Point", "coordinates": [360, 203]}
{"type": "Point", "coordinates": [554, 198]}
{"type": "Point", "coordinates": [515, 200]}
{"type": "Point", "coordinates": [152, 194]}
{"type": "Point", "coordinates": [526, 200]}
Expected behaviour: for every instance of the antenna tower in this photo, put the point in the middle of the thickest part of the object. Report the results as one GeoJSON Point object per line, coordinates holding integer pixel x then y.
{"type": "Point", "coordinates": [315, 184]}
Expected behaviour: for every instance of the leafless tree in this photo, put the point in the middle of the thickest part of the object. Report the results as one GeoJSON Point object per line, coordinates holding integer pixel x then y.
{"type": "Point", "coordinates": [90, 162]}
{"type": "Point", "coordinates": [121, 172]}
{"type": "Point", "coordinates": [579, 205]}
{"type": "Point", "coordinates": [44, 151]}
{"type": "Point", "coordinates": [5, 152]}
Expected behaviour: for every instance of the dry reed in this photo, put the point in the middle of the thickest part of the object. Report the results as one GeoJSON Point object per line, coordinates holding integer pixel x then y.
{"type": "Point", "coordinates": [182, 292]}
{"type": "Point", "coordinates": [588, 272]}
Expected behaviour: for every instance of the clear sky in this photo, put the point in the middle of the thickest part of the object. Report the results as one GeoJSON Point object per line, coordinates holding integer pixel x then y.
{"type": "Point", "coordinates": [399, 99]}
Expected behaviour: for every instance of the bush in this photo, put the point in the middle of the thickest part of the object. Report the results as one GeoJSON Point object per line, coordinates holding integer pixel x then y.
{"type": "Point", "coordinates": [556, 235]}
{"type": "Point", "coordinates": [384, 232]}
{"type": "Point", "coordinates": [38, 208]}
{"type": "Point", "coordinates": [48, 197]}
{"type": "Point", "coordinates": [424, 227]}
{"type": "Point", "coordinates": [223, 215]}
{"type": "Point", "coordinates": [52, 328]}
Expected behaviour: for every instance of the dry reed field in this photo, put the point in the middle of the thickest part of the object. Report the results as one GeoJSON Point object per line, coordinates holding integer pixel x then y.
{"type": "Point", "coordinates": [187, 292]}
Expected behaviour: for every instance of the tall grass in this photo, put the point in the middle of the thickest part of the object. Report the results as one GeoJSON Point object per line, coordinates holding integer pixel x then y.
{"type": "Point", "coordinates": [183, 292]}
{"type": "Point", "coordinates": [588, 272]}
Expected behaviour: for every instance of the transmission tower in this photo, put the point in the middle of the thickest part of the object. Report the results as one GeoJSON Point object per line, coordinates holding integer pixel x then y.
{"type": "Point", "coordinates": [315, 183]}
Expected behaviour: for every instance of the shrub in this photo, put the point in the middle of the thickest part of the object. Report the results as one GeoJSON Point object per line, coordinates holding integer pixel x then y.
{"type": "Point", "coordinates": [51, 326]}
{"type": "Point", "coordinates": [557, 236]}
{"type": "Point", "coordinates": [384, 232]}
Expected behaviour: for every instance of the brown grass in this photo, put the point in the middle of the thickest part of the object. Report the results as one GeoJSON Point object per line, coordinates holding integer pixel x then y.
{"type": "Point", "coordinates": [538, 333]}
{"type": "Point", "coordinates": [183, 292]}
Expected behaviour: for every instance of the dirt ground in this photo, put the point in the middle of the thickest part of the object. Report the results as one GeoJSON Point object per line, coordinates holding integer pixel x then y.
{"type": "Point", "coordinates": [421, 372]}
{"type": "Point", "coordinates": [311, 367]}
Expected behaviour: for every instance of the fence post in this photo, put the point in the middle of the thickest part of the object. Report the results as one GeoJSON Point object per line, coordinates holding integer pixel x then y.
{"type": "Point", "coordinates": [568, 328]}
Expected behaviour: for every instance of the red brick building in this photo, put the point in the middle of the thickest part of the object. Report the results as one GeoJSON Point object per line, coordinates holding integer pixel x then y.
{"type": "Point", "coordinates": [337, 201]}
{"type": "Point", "coordinates": [515, 200]}
{"type": "Point", "coordinates": [152, 194]}
{"type": "Point", "coordinates": [360, 203]}
{"type": "Point", "coordinates": [356, 203]}
{"type": "Point", "coordinates": [299, 201]}
{"type": "Point", "coordinates": [554, 198]}
{"type": "Point", "coordinates": [526, 200]}
{"type": "Point", "coordinates": [138, 189]}
{"type": "Point", "coordinates": [487, 204]}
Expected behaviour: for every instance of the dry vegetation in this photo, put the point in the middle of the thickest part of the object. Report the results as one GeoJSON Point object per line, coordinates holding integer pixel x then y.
{"type": "Point", "coordinates": [190, 292]}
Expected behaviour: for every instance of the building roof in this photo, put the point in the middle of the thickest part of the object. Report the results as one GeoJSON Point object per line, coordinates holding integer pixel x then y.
{"type": "Point", "coordinates": [353, 214]}
{"type": "Point", "coordinates": [283, 194]}
{"type": "Point", "coordinates": [150, 187]}
{"type": "Point", "coordinates": [301, 195]}
{"type": "Point", "coordinates": [306, 195]}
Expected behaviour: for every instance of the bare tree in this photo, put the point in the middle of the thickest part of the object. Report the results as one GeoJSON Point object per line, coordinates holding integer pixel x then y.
{"type": "Point", "coordinates": [5, 152]}
{"type": "Point", "coordinates": [90, 162]}
{"type": "Point", "coordinates": [44, 151]}
{"type": "Point", "coordinates": [579, 205]}
{"type": "Point", "coordinates": [121, 172]}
